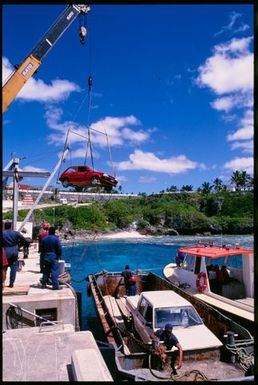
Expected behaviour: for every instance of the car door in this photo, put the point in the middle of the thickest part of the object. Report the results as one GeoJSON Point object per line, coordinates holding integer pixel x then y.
{"type": "Point", "coordinates": [142, 325]}
{"type": "Point", "coordinates": [83, 177]}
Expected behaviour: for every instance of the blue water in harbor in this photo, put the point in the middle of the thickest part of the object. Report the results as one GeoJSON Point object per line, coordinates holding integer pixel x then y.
{"type": "Point", "coordinates": [147, 253]}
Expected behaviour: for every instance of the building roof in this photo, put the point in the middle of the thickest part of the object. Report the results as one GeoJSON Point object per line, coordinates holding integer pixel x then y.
{"type": "Point", "coordinates": [214, 251]}
{"type": "Point", "coordinates": [165, 298]}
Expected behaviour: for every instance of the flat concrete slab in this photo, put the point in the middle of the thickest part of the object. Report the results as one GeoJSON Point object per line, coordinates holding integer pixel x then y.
{"type": "Point", "coordinates": [45, 354]}
{"type": "Point", "coordinates": [87, 366]}
{"type": "Point", "coordinates": [28, 294]}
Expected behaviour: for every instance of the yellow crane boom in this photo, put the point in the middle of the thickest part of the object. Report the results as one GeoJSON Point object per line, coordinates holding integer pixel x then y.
{"type": "Point", "coordinates": [31, 63]}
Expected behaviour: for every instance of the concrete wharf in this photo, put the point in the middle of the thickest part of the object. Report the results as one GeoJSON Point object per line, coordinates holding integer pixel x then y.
{"type": "Point", "coordinates": [43, 352]}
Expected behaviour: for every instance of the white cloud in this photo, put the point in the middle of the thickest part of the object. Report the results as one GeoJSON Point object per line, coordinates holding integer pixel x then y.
{"type": "Point", "coordinates": [246, 146]}
{"type": "Point", "coordinates": [243, 27]}
{"type": "Point", "coordinates": [7, 69]}
{"type": "Point", "coordinates": [241, 164]}
{"type": "Point", "coordinates": [140, 160]}
{"type": "Point", "coordinates": [81, 153]}
{"type": "Point", "coordinates": [238, 100]}
{"type": "Point", "coordinates": [229, 73]}
{"type": "Point", "coordinates": [223, 104]}
{"type": "Point", "coordinates": [33, 169]}
{"type": "Point", "coordinates": [110, 131]}
{"type": "Point", "coordinates": [233, 18]}
{"type": "Point", "coordinates": [230, 69]}
{"type": "Point", "coordinates": [232, 27]}
{"type": "Point", "coordinates": [37, 90]}
{"type": "Point", "coordinates": [121, 178]}
{"type": "Point", "coordinates": [134, 136]}
{"type": "Point", "coordinates": [242, 134]}
{"type": "Point", "coordinates": [147, 179]}
{"type": "Point", "coordinates": [246, 130]}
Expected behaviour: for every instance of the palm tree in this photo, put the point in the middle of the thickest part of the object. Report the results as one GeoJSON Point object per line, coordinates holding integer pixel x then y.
{"type": "Point", "coordinates": [245, 179]}
{"type": "Point", "coordinates": [236, 179]}
{"type": "Point", "coordinates": [172, 188]}
{"type": "Point", "coordinates": [187, 187]}
{"type": "Point", "coordinates": [240, 179]}
{"type": "Point", "coordinates": [218, 185]}
{"type": "Point", "coordinates": [250, 183]}
{"type": "Point", "coordinates": [206, 188]}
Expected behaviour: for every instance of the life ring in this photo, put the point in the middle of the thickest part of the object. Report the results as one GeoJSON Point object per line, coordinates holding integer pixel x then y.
{"type": "Point", "coordinates": [201, 281]}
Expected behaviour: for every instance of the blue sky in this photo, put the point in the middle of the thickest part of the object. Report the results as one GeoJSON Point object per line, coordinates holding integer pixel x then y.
{"type": "Point", "coordinates": [172, 88]}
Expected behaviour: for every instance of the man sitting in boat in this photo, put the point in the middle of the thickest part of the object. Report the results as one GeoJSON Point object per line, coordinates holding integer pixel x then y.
{"type": "Point", "coordinates": [169, 339]}
{"type": "Point", "coordinates": [222, 278]}
{"type": "Point", "coordinates": [179, 258]}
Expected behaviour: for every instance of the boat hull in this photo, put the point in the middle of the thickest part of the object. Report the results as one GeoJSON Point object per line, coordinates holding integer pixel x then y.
{"type": "Point", "coordinates": [239, 312]}
{"type": "Point", "coordinates": [134, 360]}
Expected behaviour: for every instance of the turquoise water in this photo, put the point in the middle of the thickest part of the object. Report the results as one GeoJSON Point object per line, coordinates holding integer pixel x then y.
{"type": "Point", "coordinates": [148, 253]}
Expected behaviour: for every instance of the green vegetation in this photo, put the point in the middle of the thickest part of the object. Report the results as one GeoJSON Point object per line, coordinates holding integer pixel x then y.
{"type": "Point", "coordinates": [170, 213]}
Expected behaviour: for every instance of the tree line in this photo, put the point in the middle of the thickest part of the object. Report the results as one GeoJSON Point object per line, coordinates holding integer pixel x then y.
{"type": "Point", "coordinates": [156, 214]}
{"type": "Point", "coordinates": [240, 180]}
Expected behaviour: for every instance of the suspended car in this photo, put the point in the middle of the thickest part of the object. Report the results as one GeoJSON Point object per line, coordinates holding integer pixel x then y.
{"type": "Point", "coordinates": [84, 176]}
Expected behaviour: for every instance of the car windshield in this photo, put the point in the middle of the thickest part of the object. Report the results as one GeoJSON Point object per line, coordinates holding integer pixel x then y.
{"type": "Point", "coordinates": [177, 316]}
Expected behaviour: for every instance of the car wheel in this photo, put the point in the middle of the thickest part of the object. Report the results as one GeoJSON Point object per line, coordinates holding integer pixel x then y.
{"type": "Point", "coordinates": [108, 189]}
{"type": "Point", "coordinates": [65, 183]}
{"type": "Point", "coordinates": [95, 180]}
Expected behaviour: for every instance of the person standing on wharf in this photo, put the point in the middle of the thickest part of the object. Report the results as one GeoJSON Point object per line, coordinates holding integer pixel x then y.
{"type": "Point", "coordinates": [51, 252]}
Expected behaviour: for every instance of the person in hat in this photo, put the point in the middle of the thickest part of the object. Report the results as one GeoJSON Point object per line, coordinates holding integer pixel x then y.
{"type": "Point", "coordinates": [127, 274]}
{"type": "Point", "coordinates": [26, 247]}
{"type": "Point", "coordinates": [42, 234]}
{"type": "Point", "coordinates": [169, 339]}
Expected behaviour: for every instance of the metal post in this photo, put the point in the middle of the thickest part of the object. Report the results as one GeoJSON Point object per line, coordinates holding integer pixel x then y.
{"type": "Point", "coordinates": [15, 192]}
{"type": "Point", "coordinates": [54, 216]}
{"type": "Point", "coordinates": [43, 190]}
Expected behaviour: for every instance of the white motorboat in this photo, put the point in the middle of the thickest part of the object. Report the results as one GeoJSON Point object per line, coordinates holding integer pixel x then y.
{"type": "Point", "coordinates": [221, 276]}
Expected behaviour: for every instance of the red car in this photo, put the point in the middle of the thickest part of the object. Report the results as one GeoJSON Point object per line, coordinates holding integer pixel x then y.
{"type": "Point", "coordinates": [82, 176]}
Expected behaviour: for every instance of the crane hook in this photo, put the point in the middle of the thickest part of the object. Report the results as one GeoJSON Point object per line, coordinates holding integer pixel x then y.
{"type": "Point", "coordinates": [83, 32]}
{"type": "Point", "coordinates": [90, 82]}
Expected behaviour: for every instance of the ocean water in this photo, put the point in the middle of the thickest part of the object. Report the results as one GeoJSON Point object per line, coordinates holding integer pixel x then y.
{"type": "Point", "coordinates": [146, 253]}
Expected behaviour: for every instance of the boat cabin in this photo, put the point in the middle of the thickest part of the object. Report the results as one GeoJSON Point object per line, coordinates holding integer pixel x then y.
{"type": "Point", "coordinates": [226, 271]}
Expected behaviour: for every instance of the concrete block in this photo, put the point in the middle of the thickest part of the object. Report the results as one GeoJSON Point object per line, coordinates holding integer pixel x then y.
{"type": "Point", "coordinates": [61, 263]}
{"type": "Point", "coordinates": [89, 365]}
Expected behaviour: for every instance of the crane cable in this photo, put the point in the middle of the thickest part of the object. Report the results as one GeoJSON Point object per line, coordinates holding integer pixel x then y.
{"type": "Point", "coordinates": [82, 33]}
{"type": "Point", "coordinates": [89, 144]}
{"type": "Point", "coordinates": [65, 147]}
{"type": "Point", "coordinates": [110, 155]}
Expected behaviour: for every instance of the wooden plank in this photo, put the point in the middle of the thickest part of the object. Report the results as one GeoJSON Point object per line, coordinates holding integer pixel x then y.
{"type": "Point", "coordinates": [16, 290]}
{"type": "Point", "coordinates": [114, 310]}
{"type": "Point", "coordinates": [123, 308]}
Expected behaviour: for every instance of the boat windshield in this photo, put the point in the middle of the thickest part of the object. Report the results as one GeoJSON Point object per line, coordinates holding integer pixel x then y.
{"type": "Point", "coordinates": [177, 316]}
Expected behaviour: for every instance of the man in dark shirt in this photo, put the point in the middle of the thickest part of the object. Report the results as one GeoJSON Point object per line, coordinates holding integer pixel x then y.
{"type": "Point", "coordinates": [127, 274]}
{"type": "Point", "coordinates": [170, 340]}
{"type": "Point", "coordinates": [41, 236]}
{"type": "Point", "coordinates": [11, 241]}
{"type": "Point", "coordinates": [51, 252]}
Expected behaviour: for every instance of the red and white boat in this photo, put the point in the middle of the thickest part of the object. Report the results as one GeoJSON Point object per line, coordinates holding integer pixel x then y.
{"type": "Point", "coordinates": [221, 276]}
